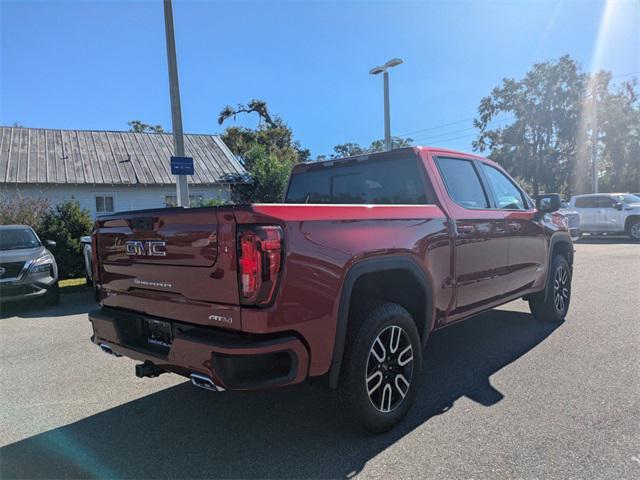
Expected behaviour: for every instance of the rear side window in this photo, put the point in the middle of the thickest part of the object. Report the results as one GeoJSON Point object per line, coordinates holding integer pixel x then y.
{"type": "Point", "coordinates": [606, 202]}
{"type": "Point", "coordinates": [393, 181]}
{"type": "Point", "coordinates": [507, 195]}
{"type": "Point", "coordinates": [586, 202]}
{"type": "Point", "coordinates": [462, 182]}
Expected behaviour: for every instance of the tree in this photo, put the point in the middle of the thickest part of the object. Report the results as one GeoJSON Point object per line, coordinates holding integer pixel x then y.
{"type": "Point", "coordinates": [267, 152]}
{"type": "Point", "coordinates": [254, 106]}
{"type": "Point", "coordinates": [350, 149]}
{"type": "Point", "coordinates": [272, 133]}
{"type": "Point", "coordinates": [619, 138]}
{"type": "Point", "coordinates": [396, 142]}
{"type": "Point", "coordinates": [269, 176]}
{"type": "Point", "coordinates": [16, 208]}
{"type": "Point", "coordinates": [540, 143]}
{"type": "Point", "coordinates": [557, 117]}
{"type": "Point", "coordinates": [137, 126]}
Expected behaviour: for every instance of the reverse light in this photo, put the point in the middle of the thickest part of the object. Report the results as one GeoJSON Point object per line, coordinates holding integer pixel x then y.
{"type": "Point", "coordinates": [259, 262]}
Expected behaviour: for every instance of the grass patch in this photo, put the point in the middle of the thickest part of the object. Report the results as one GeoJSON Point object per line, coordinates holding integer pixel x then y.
{"type": "Point", "coordinates": [72, 282]}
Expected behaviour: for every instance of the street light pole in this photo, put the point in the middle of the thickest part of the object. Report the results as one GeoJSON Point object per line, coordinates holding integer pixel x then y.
{"type": "Point", "coordinates": [182, 188]}
{"type": "Point", "coordinates": [387, 115]}
{"type": "Point", "coordinates": [594, 152]}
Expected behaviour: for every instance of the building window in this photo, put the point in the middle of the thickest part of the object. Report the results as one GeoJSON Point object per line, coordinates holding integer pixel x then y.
{"type": "Point", "coordinates": [170, 201]}
{"type": "Point", "coordinates": [104, 203]}
{"type": "Point", "coordinates": [195, 200]}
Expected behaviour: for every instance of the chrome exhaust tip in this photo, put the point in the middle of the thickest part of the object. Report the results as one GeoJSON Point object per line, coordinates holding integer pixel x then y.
{"type": "Point", "coordinates": [107, 349]}
{"type": "Point", "coordinates": [201, 381]}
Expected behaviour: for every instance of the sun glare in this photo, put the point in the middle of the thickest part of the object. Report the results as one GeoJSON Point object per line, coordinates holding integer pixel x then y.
{"type": "Point", "coordinates": [587, 135]}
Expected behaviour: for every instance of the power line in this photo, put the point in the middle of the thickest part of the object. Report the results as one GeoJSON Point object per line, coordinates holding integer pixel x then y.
{"type": "Point", "coordinates": [439, 136]}
{"type": "Point", "coordinates": [625, 75]}
{"type": "Point", "coordinates": [452, 138]}
{"type": "Point", "coordinates": [446, 134]}
{"type": "Point", "coordinates": [435, 127]}
{"type": "Point", "coordinates": [442, 125]}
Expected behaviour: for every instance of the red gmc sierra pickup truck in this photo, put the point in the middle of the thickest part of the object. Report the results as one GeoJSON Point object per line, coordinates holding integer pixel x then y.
{"type": "Point", "coordinates": [342, 282]}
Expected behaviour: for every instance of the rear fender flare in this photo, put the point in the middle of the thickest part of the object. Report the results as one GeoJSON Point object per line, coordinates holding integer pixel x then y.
{"type": "Point", "coordinates": [557, 238]}
{"type": "Point", "coordinates": [359, 269]}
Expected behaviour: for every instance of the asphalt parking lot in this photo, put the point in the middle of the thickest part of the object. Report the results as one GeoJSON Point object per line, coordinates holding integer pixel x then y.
{"type": "Point", "coordinates": [502, 396]}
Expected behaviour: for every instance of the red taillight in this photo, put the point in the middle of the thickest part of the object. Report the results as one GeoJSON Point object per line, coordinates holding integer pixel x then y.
{"type": "Point", "coordinates": [260, 252]}
{"type": "Point", "coordinates": [249, 264]}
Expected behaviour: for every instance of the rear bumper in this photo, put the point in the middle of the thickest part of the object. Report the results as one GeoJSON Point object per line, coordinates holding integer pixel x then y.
{"type": "Point", "coordinates": [235, 361]}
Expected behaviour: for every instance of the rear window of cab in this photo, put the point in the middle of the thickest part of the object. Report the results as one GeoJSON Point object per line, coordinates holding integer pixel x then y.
{"type": "Point", "coordinates": [384, 182]}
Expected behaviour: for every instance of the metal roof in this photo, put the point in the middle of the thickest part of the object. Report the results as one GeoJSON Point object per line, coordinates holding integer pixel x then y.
{"type": "Point", "coordinates": [38, 155]}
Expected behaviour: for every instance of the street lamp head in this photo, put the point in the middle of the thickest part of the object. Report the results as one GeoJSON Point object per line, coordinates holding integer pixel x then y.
{"type": "Point", "coordinates": [392, 63]}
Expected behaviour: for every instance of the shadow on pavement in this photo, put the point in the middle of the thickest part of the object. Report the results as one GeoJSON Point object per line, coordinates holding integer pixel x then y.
{"type": "Point", "coordinates": [294, 432]}
{"type": "Point", "coordinates": [70, 304]}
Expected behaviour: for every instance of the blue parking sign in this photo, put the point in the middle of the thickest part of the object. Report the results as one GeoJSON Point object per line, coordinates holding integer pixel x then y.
{"type": "Point", "coordinates": [181, 166]}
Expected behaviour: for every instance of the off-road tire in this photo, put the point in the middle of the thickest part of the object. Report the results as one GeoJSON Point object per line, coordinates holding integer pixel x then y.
{"type": "Point", "coordinates": [392, 325]}
{"type": "Point", "coordinates": [558, 293]}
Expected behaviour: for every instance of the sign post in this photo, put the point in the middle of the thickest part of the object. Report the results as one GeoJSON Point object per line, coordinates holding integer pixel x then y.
{"type": "Point", "coordinates": [182, 188]}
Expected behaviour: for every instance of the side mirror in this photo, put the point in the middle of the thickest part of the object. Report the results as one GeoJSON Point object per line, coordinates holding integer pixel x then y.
{"type": "Point", "coordinates": [618, 206]}
{"type": "Point", "coordinates": [548, 203]}
{"type": "Point", "coordinates": [50, 243]}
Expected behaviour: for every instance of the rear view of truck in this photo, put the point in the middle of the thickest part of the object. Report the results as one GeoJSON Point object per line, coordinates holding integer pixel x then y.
{"type": "Point", "coordinates": [172, 283]}
{"type": "Point", "coordinates": [334, 284]}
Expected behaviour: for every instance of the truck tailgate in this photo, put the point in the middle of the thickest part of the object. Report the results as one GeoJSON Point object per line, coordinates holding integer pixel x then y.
{"type": "Point", "coordinates": [170, 262]}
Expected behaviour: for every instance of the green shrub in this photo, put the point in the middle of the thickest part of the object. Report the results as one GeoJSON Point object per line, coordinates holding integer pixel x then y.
{"type": "Point", "coordinates": [269, 177]}
{"type": "Point", "coordinates": [65, 224]}
{"type": "Point", "coordinates": [212, 202]}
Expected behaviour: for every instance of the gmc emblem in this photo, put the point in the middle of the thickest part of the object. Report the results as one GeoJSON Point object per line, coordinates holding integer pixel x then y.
{"type": "Point", "coordinates": [154, 248]}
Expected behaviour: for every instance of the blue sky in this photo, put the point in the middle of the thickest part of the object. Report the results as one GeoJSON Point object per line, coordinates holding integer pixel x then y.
{"type": "Point", "coordinates": [96, 65]}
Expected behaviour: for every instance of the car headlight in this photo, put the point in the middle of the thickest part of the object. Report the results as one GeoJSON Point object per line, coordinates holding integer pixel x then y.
{"type": "Point", "coordinates": [42, 268]}
{"type": "Point", "coordinates": [43, 264]}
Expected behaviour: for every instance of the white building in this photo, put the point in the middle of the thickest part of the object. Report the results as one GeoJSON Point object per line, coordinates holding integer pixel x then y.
{"type": "Point", "coordinates": [111, 171]}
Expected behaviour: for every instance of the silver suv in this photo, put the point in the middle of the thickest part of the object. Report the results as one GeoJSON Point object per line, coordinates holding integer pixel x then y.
{"type": "Point", "coordinates": [615, 213]}
{"type": "Point", "coordinates": [28, 271]}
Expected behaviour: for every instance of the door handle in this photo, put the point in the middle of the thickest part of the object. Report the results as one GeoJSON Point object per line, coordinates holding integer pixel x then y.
{"type": "Point", "coordinates": [514, 226]}
{"type": "Point", "coordinates": [465, 228]}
